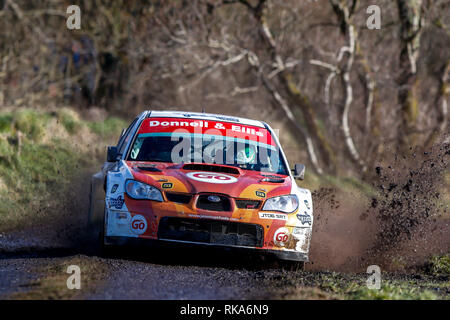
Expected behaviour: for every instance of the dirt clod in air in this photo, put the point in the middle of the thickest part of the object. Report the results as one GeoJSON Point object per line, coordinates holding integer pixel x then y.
{"type": "Point", "coordinates": [410, 209]}
{"type": "Point", "coordinates": [399, 228]}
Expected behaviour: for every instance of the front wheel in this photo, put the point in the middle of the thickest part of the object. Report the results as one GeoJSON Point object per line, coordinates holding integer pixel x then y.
{"type": "Point", "coordinates": [96, 236]}
{"type": "Point", "coordinates": [102, 249]}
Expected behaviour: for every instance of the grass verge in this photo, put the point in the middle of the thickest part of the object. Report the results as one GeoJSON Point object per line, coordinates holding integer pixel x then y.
{"type": "Point", "coordinates": [342, 286]}
{"type": "Point", "coordinates": [40, 154]}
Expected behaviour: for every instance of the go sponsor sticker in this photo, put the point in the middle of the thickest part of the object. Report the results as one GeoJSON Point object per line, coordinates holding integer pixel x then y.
{"type": "Point", "coordinates": [211, 177]}
{"type": "Point", "coordinates": [138, 224]}
{"type": "Point", "coordinates": [281, 237]}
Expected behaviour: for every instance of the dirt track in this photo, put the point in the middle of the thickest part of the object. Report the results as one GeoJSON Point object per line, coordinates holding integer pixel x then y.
{"type": "Point", "coordinates": [35, 268]}
{"type": "Point", "coordinates": [343, 240]}
{"type": "Point", "coordinates": [41, 274]}
{"type": "Point", "coordinates": [128, 278]}
{"type": "Point", "coordinates": [194, 274]}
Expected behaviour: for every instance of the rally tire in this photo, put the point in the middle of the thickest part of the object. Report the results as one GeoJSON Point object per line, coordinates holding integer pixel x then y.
{"type": "Point", "coordinates": [103, 250]}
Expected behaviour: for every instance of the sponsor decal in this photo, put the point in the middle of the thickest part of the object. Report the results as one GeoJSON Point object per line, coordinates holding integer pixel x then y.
{"type": "Point", "coordinates": [261, 194]}
{"type": "Point", "coordinates": [307, 205]}
{"type": "Point", "coordinates": [116, 203]}
{"type": "Point", "coordinates": [281, 237]}
{"type": "Point", "coordinates": [167, 185]}
{"type": "Point", "coordinates": [304, 218]}
{"type": "Point", "coordinates": [213, 198]}
{"type": "Point", "coordinates": [138, 224]}
{"type": "Point", "coordinates": [122, 218]}
{"type": "Point", "coordinates": [212, 217]}
{"type": "Point", "coordinates": [211, 177]}
{"type": "Point", "coordinates": [114, 188]}
{"type": "Point", "coordinates": [121, 215]}
{"type": "Point", "coordinates": [248, 132]}
{"type": "Point", "coordinates": [275, 216]}
{"type": "Point", "coordinates": [301, 232]}
{"type": "Point", "coordinates": [206, 124]}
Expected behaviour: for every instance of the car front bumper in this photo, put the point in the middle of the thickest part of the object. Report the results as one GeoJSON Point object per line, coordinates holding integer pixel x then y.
{"type": "Point", "coordinates": [114, 241]}
{"type": "Point", "coordinates": [284, 236]}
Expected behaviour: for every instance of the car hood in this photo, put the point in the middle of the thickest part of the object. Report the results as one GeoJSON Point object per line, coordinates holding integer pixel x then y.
{"type": "Point", "coordinates": [201, 178]}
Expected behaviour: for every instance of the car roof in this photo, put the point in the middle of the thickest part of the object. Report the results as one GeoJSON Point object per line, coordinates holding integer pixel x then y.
{"type": "Point", "coordinates": [205, 116]}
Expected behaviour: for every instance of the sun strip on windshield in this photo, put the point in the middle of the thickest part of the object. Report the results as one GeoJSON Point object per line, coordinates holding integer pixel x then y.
{"type": "Point", "coordinates": [200, 135]}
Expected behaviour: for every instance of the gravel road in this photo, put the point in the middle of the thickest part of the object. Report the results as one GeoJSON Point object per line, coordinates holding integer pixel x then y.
{"type": "Point", "coordinates": [193, 274]}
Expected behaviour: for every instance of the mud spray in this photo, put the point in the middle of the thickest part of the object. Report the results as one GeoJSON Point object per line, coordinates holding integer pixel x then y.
{"type": "Point", "coordinates": [58, 223]}
{"type": "Point", "coordinates": [405, 223]}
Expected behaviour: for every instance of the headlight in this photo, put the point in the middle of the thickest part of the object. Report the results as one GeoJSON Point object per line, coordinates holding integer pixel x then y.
{"type": "Point", "coordinates": [286, 204]}
{"type": "Point", "coordinates": [139, 190]}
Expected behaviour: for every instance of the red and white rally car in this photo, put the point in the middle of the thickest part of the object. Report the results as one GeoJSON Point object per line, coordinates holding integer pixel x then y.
{"type": "Point", "coordinates": [201, 179]}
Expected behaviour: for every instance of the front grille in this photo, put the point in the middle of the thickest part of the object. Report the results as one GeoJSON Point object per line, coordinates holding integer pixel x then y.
{"type": "Point", "coordinates": [211, 231]}
{"type": "Point", "coordinates": [178, 197]}
{"type": "Point", "coordinates": [248, 204]}
{"type": "Point", "coordinates": [204, 203]}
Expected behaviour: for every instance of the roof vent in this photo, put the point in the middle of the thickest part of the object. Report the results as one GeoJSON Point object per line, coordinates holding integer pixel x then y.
{"type": "Point", "coordinates": [149, 168]}
{"type": "Point", "coordinates": [212, 168]}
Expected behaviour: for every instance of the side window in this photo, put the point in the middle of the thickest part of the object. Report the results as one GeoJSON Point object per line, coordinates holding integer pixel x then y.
{"type": "Point", "coordinates": [126, 137]}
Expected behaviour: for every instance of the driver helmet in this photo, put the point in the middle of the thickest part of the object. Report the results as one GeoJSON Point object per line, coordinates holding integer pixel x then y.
{"type": "Point", "coordinates": [246, 154]}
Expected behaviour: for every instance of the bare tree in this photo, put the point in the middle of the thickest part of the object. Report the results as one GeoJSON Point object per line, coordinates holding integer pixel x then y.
{"type": "Point", "coordinates": [311, 66]}
{"type": "Point", "coordinates": [344, 11]}
{"type": "Point", "coordinates": [296, 98]}
{"type": "Point", "coordinates": [411, 21]}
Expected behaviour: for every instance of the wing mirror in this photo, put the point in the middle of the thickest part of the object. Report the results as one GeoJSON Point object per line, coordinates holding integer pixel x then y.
{"type": "Point", "coordinates": [299, 171]}
{"type": "Point", "coordinates": [112, 154]}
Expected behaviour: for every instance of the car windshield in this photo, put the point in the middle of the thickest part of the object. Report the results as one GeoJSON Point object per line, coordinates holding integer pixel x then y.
{"type": "Point", "coordinates": [210, 149]}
